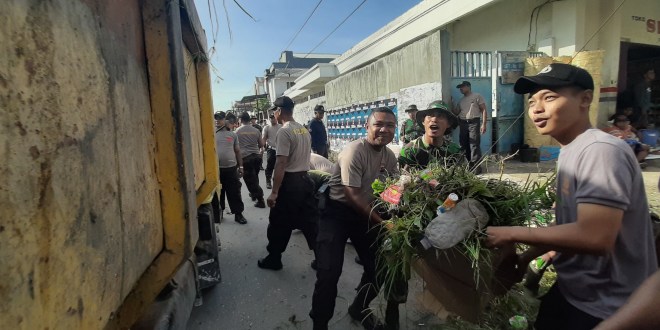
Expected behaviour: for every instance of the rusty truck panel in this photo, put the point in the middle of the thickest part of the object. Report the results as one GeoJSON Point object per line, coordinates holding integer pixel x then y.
{"type": "Point", "coordinates": [107, 152]}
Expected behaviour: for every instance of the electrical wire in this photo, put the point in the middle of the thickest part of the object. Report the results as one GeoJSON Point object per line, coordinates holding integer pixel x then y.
{"type": "Point", "coordinates": [301, 28]}
{"type": "Point", "coordinates": [336, 28]}
{"type": "Point", "coordinates": [597, 31]}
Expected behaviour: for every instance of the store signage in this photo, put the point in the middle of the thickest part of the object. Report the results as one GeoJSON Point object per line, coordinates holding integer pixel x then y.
{"type": "Point", "coordinates": [652, 25]}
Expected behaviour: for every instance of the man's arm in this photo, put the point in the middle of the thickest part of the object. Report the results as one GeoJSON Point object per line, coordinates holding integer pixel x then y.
{"type": "Point", "coordinates": [484, 117]}
{"type": "Point", "coordinates": [264, 136]}
{"type": "Point", "coordinates": [278, 175]}
{"type": "Point", "coordinates": [641, 310]}
{"type": "Point", "coordinates": [362, 207]}
{"type": "Point", "coordinates": [239, 160]}
{"type": "Point", "coordinates": [595, 232]}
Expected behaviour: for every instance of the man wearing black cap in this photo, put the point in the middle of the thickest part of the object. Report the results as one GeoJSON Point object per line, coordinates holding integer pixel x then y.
{"type": "Point", "coordinates": [253, 122]}
{"type": "Point", "coordinates": [318, 132]}
{"type": "Point", "coordinates": [231, 167]}
{"type": "Point", "coordinates": [292, 202]}
{"type": "Point", "coordinates": [411, 129]}
{"type": "Point", "coordinates": [603, 232]}
{"type": "Point", "coordinates": [472, 121]}
{"type": "Point", "coordinates": [249, 139]}
{"type": "Point", "coordinates": [268, 136]}
{"type": "Point", "coordinates": [438, 122]}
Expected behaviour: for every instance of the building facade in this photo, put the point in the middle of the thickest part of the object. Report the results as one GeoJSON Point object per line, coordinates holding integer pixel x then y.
{"type": "Point", "coordinates": [421, 55]}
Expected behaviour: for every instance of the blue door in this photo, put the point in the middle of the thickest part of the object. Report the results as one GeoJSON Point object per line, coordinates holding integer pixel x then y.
{"type": "Point", "coordinates": [481, 85]}
{"type": "Point", "coordinates": [509, 124]}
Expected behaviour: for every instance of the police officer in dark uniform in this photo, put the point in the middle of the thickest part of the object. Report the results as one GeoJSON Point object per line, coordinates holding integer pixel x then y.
{"type": "Point", "coordinates": [292, 201]}
{"type": "Point", "coordinates": [348, 215]}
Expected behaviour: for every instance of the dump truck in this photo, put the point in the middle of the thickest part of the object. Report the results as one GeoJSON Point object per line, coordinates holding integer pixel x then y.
{"type": "Point", "coordinates": [108, 164]}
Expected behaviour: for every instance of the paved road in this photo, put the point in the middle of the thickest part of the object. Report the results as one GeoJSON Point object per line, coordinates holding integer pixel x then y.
{"type": "Point", "coordinates": [252, 298]}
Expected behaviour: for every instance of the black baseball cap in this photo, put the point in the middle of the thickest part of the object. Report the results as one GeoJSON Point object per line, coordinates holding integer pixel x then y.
{"type": "Point", "coordinates": [553, 76]}
{"type": "Point", "coordinates": [244, 116]}
{"type": "Point", "coordinates": [464, 83]}
{"type": "Point", "coordinates": [219, 115]}
{"type": "Point", "coordinates": [283, 102]}
{"type": "Point", "coordinates": [319, 108]}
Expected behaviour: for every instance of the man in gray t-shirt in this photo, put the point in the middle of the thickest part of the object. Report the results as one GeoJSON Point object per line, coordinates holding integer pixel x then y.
{"type": "Point", "coordinates": [603, 234]}
{"type": "Point", "coordinates": [472, 120]}
{"type": "Point", "coordinates": [231, 167]}
{"type": "Point", "coordinates": [249, 139]}
{"type": "Point", "coordinates": [292, 201]}
{"type": "Point", "coordinates": [269, 139]}
{"type": "Point", "coordinates": [348, 214]}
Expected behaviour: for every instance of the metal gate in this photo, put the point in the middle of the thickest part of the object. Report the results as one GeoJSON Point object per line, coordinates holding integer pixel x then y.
{"type": "Point", "coordinates": [492, 74]}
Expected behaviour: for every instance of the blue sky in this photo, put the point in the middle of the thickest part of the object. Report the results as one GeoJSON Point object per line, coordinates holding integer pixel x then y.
{"type": "Point", "coordinates": [255, 45]}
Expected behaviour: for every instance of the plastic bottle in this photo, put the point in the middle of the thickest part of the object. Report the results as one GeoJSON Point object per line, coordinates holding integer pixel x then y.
{"type": "Point", "coordinates": [448, 204]}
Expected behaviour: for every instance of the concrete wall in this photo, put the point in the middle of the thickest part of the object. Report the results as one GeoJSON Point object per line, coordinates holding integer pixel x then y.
{"type": "Point", "coordinates": [414, 64]}
{"type": "Point", "coordinates": [563, 28]}
{"type": "Point", "coordinates": [79, 199]}
{"type": "Point", "coordinates": [502, 25]}
{"type": "Point", "coordinates": [304, 112]}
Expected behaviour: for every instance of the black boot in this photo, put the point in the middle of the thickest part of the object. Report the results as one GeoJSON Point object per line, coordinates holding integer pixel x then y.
{"type": "Point", "coordinates": [271, 261]}
{"type": "Point", "coordinates": [392, 316]}
{"type": "Point", "coordinates": [269, 185]}
{"type": "Point", "coordinates": [240, 218]}
{"type": "Point", "coordinates": [260, 203]}
{"type": "Point", "coordinates": [359, 309]}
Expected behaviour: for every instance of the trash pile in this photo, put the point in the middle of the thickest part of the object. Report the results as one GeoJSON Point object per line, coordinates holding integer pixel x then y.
{"type": "Point", "coordinates": [450, 207]}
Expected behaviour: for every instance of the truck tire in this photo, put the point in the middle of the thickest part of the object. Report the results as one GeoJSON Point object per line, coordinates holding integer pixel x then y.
{"type": "Point", "coordinates": [206, 249]}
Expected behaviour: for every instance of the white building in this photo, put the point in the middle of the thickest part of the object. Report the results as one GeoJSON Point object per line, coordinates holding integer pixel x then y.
{"type": "Point", "coordinates": [282, 75]}
{"type": "Point", "coordinates": [421, 55]}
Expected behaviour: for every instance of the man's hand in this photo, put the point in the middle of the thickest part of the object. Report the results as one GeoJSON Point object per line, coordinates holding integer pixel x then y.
{"type": "Point", "coordinates": [240, 172]}
{"type": "Point", "coordinates": [483, 128]}
{"type": "Point", "coordinates": [497, 237]}
{"type": "Point", "coordinates": [271, 199]}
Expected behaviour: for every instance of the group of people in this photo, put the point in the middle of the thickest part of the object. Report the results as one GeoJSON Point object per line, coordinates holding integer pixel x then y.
{"type": "Point", "coordinates": [601, 243]}
{"type": "Point", "coordinates": [469, 114]}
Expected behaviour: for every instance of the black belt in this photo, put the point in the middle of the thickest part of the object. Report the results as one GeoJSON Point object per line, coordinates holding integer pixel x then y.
{"type": "Point", "coordinates": [473, 120]}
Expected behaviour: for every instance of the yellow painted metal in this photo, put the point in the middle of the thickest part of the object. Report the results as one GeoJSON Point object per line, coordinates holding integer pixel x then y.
{"type": "Point", "coordinates": [194, 113]}
{"type": "Point", "coordinates": [173, 158]}
{"type": "Point", "coordinates": [212, 179]}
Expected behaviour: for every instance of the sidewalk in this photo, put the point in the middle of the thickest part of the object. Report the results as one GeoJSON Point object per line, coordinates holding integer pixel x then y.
{"type": "Point", "coordinates": [517, 170]}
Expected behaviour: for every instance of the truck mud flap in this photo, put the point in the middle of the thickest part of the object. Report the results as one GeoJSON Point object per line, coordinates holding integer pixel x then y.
{"type": "Point", "coordinates": [206, 249]}
{"type": "Point", "coordinates": [173, 306]}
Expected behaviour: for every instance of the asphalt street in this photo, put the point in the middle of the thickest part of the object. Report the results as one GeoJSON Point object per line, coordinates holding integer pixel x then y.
{"type": "Point", "coordinates": [253, 298]}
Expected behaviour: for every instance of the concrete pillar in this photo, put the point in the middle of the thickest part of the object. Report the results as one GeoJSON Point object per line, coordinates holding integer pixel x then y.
{"type": "Point", "coordinates": [445, 66]}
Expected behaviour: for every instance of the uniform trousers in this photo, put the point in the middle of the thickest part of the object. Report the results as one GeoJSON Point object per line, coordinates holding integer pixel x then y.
{"type": "Point", "coordinates": [295, 208]}
{"type": "Point", "coordinates": [556, 312]}
{"type": "Point", "coordinates": [251, 166]}
{"type": "Point", "coordinates": [270, 162]}
{"type": "Point", "coordinates": [321, 150]}
{"type": "Point", "coordinates": [338, 223]}
{"type": "Point", "coordinates": [231, 187]}
{"type": "Point", "coordinates": [470, 139]}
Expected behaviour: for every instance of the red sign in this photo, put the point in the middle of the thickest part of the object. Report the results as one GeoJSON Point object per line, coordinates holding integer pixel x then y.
{"type": "Point", "coordinates": [652, 26]}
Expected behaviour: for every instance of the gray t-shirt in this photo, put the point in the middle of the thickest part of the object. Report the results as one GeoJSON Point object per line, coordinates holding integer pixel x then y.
{"type": "Point", "coordinates": [320, 163]}
{"type": "Point", "coordinates": [598, 168]}
{"type": "Point", "coordinates": [225, 141]}
{"type": "Point", "coordinates": [248, 139]}
{"type": "Point", "coordinates": [270, 133]}
{"type": "Point", "coordinates": [358, 165]}
{"type": "Point", "coordinates": [469, 106]}
{"type": "Point", "coordinates": [293, 140]}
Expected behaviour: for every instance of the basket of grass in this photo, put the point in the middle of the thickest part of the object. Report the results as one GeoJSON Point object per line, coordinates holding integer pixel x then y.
{"type": "Point", "coordinates": [466, 275]}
